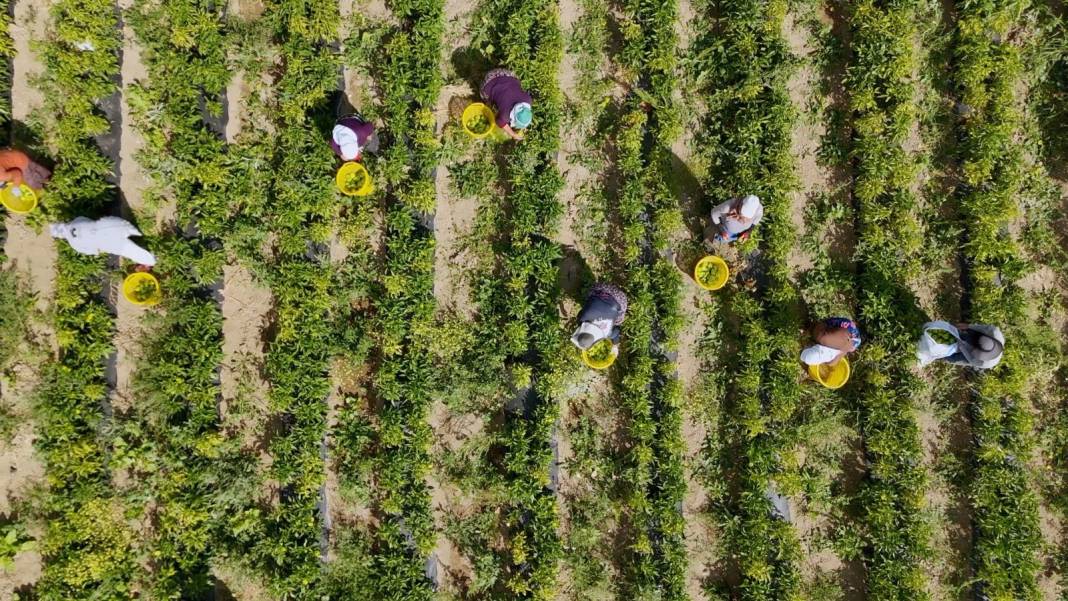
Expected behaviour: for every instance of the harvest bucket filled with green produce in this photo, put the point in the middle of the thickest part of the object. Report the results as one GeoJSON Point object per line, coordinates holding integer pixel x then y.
{"type": "Point", "coordinates": [711, 273]}
{"type": "Point", "coordinates": [600, 355]}
{"type": "Point", "coordinates": [831, 376]}
{"type": "Point", "coordinates": [25, 202]}
{"type": "Point", "coordinates": [142, 289]}
{"type": "Point", "coordinates": [353, 180]}
{"type": "Point", "coordinates": [477, 120]}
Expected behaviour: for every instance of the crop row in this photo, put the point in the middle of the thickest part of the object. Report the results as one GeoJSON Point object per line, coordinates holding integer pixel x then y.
{"type": "Point", "coordinates": [301, 200]}
{"type": "Point", "coordinates": [1004, 507]}
{"type": "Point", "coordinates": [384, 438]}
{"type": "Point", "coordinates": [86, 545]}
{"type": "Point", "coordinates": [518, 294]}
{"type": "Point", "coordinates": [742, 65]}
{"type": "Point", "coordinates": [879, 83]}
{"type": "Point", "coordinates": [650, 391]}
{"type": "Point", "coordinates": [173, 435]}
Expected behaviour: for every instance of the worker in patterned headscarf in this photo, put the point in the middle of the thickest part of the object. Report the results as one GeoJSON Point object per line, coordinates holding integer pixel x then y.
{"type": "Point", "coordinates": [602, 314]}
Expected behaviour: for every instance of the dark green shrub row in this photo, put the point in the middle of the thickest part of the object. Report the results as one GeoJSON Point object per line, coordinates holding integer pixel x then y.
{"type": "Point", "coordinates": [517, 298]}
{"type": "Point", "coordinates": [741, 66]}
{"type": "Point", "coordinates": [87, 545]}
{"type": "Point", "coordinates": [384, 437]}
{"type": "Point", "coordinates": [283, 199]}
{"type": "Point", "coordinates": [879, 83]}
{"type": "Point", "coordinates": [1004, 506]}
{"type": "Point", "coordinates": [174, 431]}
{"type": "Point", "coordinates": [655, 564]}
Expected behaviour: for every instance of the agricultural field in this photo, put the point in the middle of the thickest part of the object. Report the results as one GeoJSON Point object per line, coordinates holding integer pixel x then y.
{"type": "Point", "coordinates": [375, 397]}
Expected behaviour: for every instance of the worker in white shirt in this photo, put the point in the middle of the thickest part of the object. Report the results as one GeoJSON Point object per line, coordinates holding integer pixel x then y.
{"type": "Point", "coordinates": [736, 218]}
{"type": "Point", "coordinates": [977, 345]}
{"type": "Point", "coordinates": [105, 235]}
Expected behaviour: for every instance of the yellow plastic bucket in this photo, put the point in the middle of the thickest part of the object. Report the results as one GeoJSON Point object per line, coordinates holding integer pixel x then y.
{"type": "Point", "coordinates": [604, 364]}
{"type": "Point", "coordinates": [833, 377]}
{"type": "Point", "coordinates": [474, 111]}
{"type": "Point", "coordinates": [142, 289]}
{"type": "Point", "coordinates": [348, 172]}
{"type": "Point", "coordinates": [19, 204]}
{"type": "Point", "coordinates": [708, 279]}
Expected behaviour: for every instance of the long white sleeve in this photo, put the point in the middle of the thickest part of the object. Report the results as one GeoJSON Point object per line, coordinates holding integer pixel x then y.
{"type": "Point", "coordinates": [107, 235]}
{"type": "Point", "coordinates": [720, 211]}
{"type": "Point", "coordinates": [135, 253]}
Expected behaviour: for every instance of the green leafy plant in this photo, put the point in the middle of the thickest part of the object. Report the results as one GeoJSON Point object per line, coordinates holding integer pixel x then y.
{"type": "Point", "coordinates": [741, 64]}
{"type": "Point", "coordinates": [13, 540]}
{"type": "Point", "coordinates": [987, 67]}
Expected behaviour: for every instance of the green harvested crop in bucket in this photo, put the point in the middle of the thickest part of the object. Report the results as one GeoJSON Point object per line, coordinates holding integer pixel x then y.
{"type": "Point", "coordinates": [355, 181]}
{"type": "Point", "coordinates": [478, 124]}
{"type": "Point", "coordinates": [600, 352]}
{"type": "Point", "coordinates": [708, 274]}
{"type": "Point", "coordinates": [145, 291]}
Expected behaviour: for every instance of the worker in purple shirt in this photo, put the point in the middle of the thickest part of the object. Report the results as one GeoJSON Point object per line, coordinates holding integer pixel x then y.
{"type": "Point", "coordinates": [502, 89]}
{"type": "Point", "coordinates": [352, 136]}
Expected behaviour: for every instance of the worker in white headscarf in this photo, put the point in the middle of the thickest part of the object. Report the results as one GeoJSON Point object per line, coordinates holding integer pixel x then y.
{"type": "Point", "coordinates": [736, 218]}
{"type": "Point", "coordinates": [977, 345]}
{"type": "Point", "coordinates": [105, 235]}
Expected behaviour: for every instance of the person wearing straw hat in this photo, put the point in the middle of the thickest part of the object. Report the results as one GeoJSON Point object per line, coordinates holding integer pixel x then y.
{"type": "Point", "coordinates": [17, 168]}
{"type": "Point", "coordinates": [736, 218]}
{"type": "Point", "coordinates": [352, 136]}
{"type": "Point", "coordinates": [602, 314]}
{"type": "Point", "coordinates": [502, 89]}
{"type": "Point", "coordinates": [978, 346]}
{"type": "Point", "coordinates": [835, 338]}
{"type": "Point", "coordinates": [105, 235]}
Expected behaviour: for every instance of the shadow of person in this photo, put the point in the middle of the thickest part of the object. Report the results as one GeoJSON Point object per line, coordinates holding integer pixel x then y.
{"type": "Point", "coordinates": [574, 275]}
{"type": "Point", "coordinates": [687, 189]}
{"type": "Point", "coordinates": [471, 65]}
{"type": "Point", "coordinates": [22, 137]}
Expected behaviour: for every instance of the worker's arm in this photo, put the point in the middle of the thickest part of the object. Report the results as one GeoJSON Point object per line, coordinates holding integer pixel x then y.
{"type": "Point", "coordinates": [720, 211]}
{"type": "Point", "coordinates": [511, 132]}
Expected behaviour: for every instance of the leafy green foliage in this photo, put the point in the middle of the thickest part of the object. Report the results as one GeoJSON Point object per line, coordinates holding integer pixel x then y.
{"type": "Point", "coordinates": [880, 92]}
{"type": "Point", "coordinates": [386, 436]}
{"type": "Point", "coordinates": [1005, 511]}
{"type": "Point", "coordinates": [742, 64]}
{"type": "Point", "coordinates": [87, 545]}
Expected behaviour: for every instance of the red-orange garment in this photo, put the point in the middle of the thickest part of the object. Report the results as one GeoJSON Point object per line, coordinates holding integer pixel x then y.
{"type": "Point", "coordinates": [13, 159]}
{"type": "Point", "coordinates": [28, 172]}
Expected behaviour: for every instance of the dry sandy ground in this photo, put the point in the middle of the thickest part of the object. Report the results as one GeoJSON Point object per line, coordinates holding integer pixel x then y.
{"type": "Point", "coordinates": [33, 255]}
{"type": "Point", "coordinates": [453, 219]}
{"type": "Point", "coordinates": [132, 182]}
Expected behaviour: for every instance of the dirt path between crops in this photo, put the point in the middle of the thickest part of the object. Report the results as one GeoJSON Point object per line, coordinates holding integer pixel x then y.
{"type": "Point", "coordinates": [453, 219]}
{"type": "Point", "coordinates": [809, 130]}
{"type": "Point", "coordinates": [32, 254]}
{"type": "Point", "coordinates": [814, 180]}
{"type": "Point", "coordinates": [132, 183]}
{"type": "Point", "coordinates": [701, 531]}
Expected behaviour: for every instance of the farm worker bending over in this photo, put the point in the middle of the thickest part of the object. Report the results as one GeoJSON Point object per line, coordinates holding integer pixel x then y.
{"type": "Point", "coordinates": [977, 345]}
{"type": "Point", "coordinates": [736, 217]}
{"type": "Point", "coordinates": [602, 313]}
{"type": "Point", "coordinates": [105, 235]}
{"type": "Point", "coordinates": [16, 168]}
{"type": "Point", "coordinates": [351, 136]}
{"type": "Point", "coordinates": [502, 89]}
{"type": "Point", "coordinates": [835, 338]}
